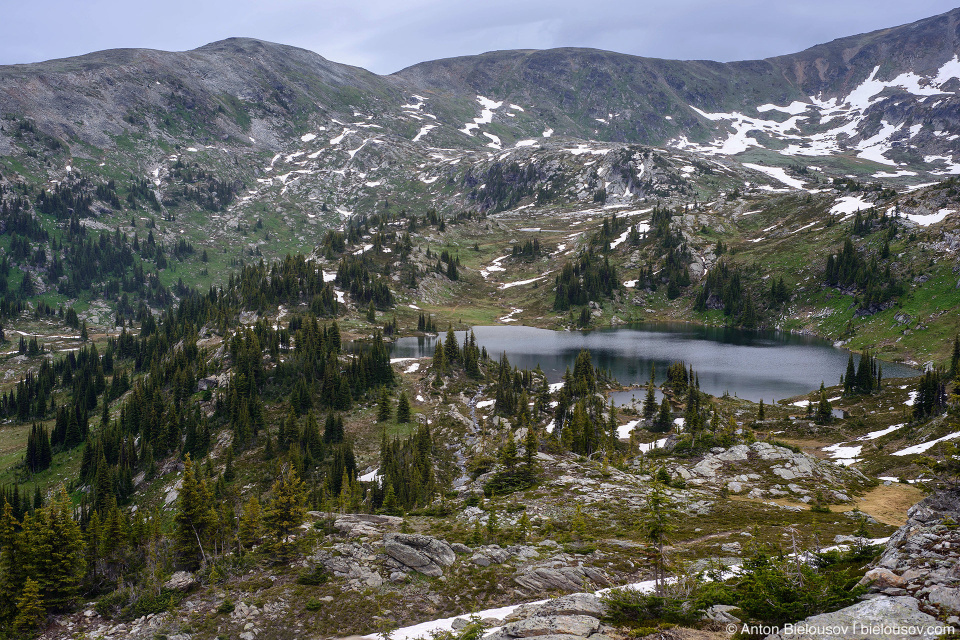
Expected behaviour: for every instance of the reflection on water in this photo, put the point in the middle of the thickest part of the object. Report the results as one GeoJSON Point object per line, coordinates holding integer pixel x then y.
{"type": "Point", "coordinates": [749, 364]}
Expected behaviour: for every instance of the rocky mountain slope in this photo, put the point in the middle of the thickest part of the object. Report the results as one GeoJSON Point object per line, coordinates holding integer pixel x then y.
{"type": "Point", "coordinates": [204, 253]}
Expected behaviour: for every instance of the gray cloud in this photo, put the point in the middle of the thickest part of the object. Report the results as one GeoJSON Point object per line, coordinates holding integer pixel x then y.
{"type": "Point", "coordinates": [385, 36]}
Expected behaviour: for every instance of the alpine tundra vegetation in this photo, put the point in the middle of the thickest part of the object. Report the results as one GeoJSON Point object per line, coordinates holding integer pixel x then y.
{"type": "Point", "coordinates": [211, 260]}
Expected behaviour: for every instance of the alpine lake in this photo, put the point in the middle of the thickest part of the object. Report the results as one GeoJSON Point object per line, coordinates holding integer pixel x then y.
{"type": "Point", "coordinates": [753, 365]}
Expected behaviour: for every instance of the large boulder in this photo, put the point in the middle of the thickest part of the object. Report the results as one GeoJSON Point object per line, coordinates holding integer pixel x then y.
{"type": "Point", "coordinates": [882, 578]}
{"type": "Point", "coordinates": [574, 604]}
{"type": "Point", "coordinates": [421, 553]}
{"type": "Point", "coordinates": [578, 626]}
{"type": "Point", "coordinates": [946, 599]}
{"type": "Point", "coordinates": [181, 581]}
{"type": "Point", "coordinates": [541, 579]}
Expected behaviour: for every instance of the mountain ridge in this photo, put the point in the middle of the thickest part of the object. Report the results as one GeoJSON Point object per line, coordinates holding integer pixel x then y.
{"type": "Point", "coordinates": [572, 87]}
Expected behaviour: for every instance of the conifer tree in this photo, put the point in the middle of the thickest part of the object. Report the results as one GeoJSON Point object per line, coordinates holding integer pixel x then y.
{"type": "Point", "coordinates": [761, 414]}
{"type": "Point", "coordinates": [403, 408]}
{"type": "Point", "coordinates": [451, 351]}
{"type": "Point", "coordinates": [656, 527]}
{"type": "Point", "coordinates": [55, 551]}
{"type": "Point", "coordinates": [440, 364]}
{"type": "Point", "coordinates": [650, 402]}
{"type": "Point", "coordinates": [530, 445]}
{"type": "Point", "coordinates": [384, 411]}
{"type": "Point", "coordinates": [30, 608]}
{"type": "Point", "coordinates": [824, 414]}
{"type": "Point", "coordinates": [523, 527]}
{"type": "Point", "coordinates": [194, 519]}
{"type": "Point", "coordinates": [849, 378]}
{"type": "Point", "coordinates": [955, 358]}
{"type": "Point", "coordinates": [662, 422]}
{"type": "Point", "coordinates": [250, 523]}
{"type": "Point", "coordinates": [11, 564]}
{"type": "Point", "coordinates": [508, 453]}
{"type": "Point", "coordinates": [333, 429]}
{"type": "Point", "coordinates": [389, 505]}
{"type": "Point", "coordinates": [285, 513]}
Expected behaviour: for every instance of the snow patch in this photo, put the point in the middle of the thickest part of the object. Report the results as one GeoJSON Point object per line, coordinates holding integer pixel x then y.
{"type": "Point", "coordinates": [339, 138]}
{"type": "Point", "coordinates": [424, 130]}
{"type": "Point", "coordinates": [508, 285]}
{"type": "Point", "coordinates": [920, 448]}
{"type": "Point", "coordinates": [777, 174]}
{"type": "Point", "coordinates": [844, 455]}
{"type": "Point", "coordinates": [873, 435]}
{"type": "Point", "coordinates": [927, 220]}
{"type": "Point", "coordinates": [848, 205]}
{"type": "Point", "coordinates": [509, 318]}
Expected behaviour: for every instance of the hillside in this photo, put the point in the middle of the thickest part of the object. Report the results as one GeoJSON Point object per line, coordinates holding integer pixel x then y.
{"type": "Point", "coordinates": [208, 257]}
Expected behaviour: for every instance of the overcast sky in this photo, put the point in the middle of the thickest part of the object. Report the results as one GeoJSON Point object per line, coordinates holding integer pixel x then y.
{"type": "Point", "coordinates": [387, 35]}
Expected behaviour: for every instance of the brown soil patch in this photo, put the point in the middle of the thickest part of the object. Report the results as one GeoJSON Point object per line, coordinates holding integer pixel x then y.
{"type": "Point", "coordinates": [888, 504]}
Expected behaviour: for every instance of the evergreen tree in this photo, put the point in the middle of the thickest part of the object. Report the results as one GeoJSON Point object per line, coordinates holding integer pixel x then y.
{"type": "Point", "coordinates": [656, 526]}
{"type": "Point", "coordinates": [508, 453]}
{"type": "Point", "coordinates": [11, 564]}
{"type": "Point", "coordinates": [55, 547]}
{"type": "Point", "coordinates": [30, 607]}
{"type": "Point", "coordinates": [194, 519]}
{"type": "Point", "coordinates": [250, 523]}
{"type": "Point", "coordinates": [285, 513]}
{"type": "Point", "coordinates": [931, 395]}
{"type": "Point", "coordinates": [451, 351]}
{"type": "Point", "coordinates": [850, 377]}
{"type": "Point", "coordinates": [824, 413]}
{"type": "Point", "coordinates": [955, 358]}
{"type": "Point", "coordinates": [403, 408]}
{"type": "Point", "coordinates": [333, 432]}
{"type": "Point", "coordinates": [384, 410]}
{"type": "Point", "coordinates": [650, 401]}
{"type": "Point", "coordinates": [761, 414]}
{"type": "Point", "coordinates": [389, 505]}
{"type": "Point", "coordinates": [663, 421]}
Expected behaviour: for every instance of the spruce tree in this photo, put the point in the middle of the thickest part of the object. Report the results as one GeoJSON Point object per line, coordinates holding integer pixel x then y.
{"type": "Point", "coordinates": [250, 523]}
{"type": "Point", "coordinates": [650, 402]}
{"type": "Point", "coordinates": [384, 411]}
{"type": "Point", "coordinates": [333, 429]}
{"type": "Point", "coordinates": [194, 519]}
{"type": "Point", "coordinates": [824, 413]}
{"type": "Point", "coordinates": [530, 455]}
{"type": "Point", "coordinates": [850, 377]}
{"type": "Point", "coordinates": [285, 513]}
{"type": "Point", "coordinates": [389, 505]}
{"type": "Point", "coordinates": [663, 421]}
{"type": "Point", "coordinates": [955, 358]}
{"type": "Point", "coordinates": [656, 526]}
{"type": "Point", "coordinates": [508, 453]}
{"type": "Point", "coordinates": [56, 551]}
{"type": "Point", "coordinates": [30, 609]}
{"type": "Point", "coordinates": [451, 351]}
{"type": "Point", "coordinates": [11, 564]}
{"type": "Point", "coordinates": [403, 408]}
